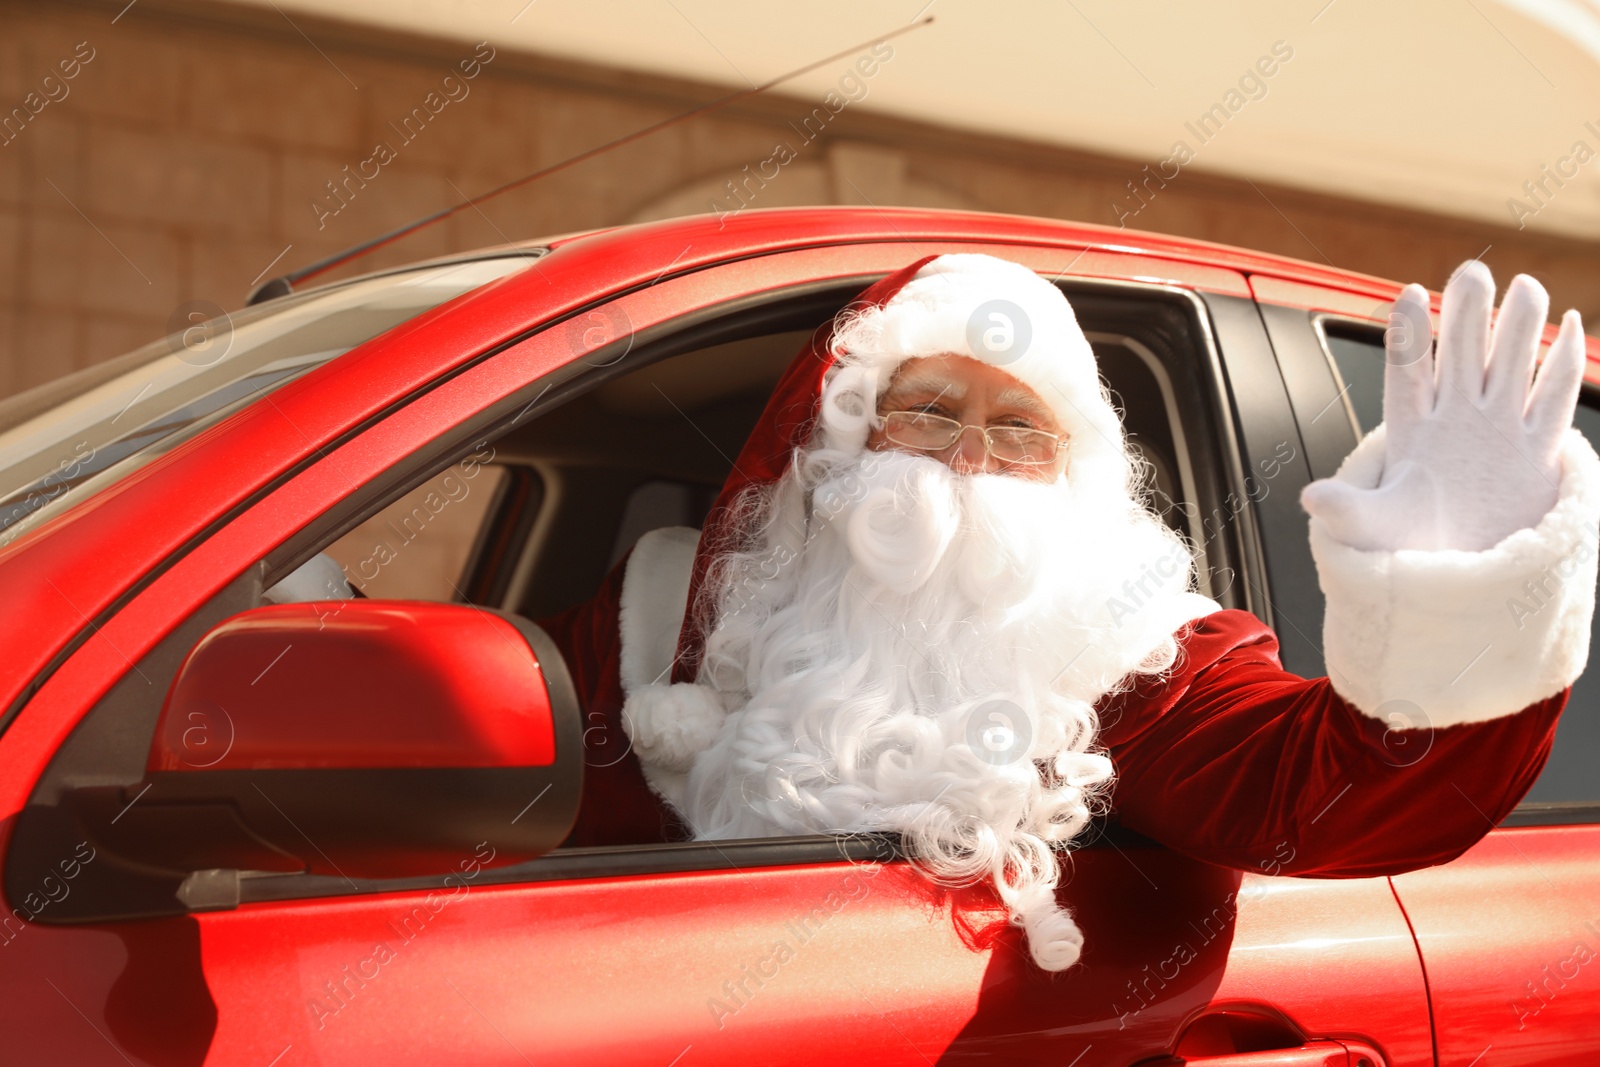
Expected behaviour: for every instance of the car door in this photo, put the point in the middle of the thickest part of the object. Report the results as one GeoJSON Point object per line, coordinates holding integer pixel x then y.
{"type": "Point", "coordinates": [1509, 932]}
{"type": "Point", "coordinates": [788, 951]}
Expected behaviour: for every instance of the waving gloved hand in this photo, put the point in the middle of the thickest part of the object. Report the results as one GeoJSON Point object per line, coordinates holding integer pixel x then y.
{"type": "Point", "coordinates": [1472, 440]}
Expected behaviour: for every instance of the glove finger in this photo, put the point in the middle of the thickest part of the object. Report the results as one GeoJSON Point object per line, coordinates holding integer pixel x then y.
{"type": "Point", "coordinates": [1408, 368]}
{"type": "Point", "coordinates": [1342, 509]}
{"type": "Point", "coordinates": [1464, 334]}
{"type": "Point", "coordinates": [1554, 395]}
{"type": "Point", "coordinates": [1402, 512]}
{"type": "Point", "coordinates": [1523, 310]}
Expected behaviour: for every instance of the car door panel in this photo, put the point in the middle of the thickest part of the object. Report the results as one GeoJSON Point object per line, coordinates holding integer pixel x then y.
{"type": "Point", "coordinates": [1510, 933]}
{"type": "Point", "coordinates": [105, 995]}
{"type": "Point", "coordinates": [853, 962]}
{"type": "Point", "coordinates": [618, 971]}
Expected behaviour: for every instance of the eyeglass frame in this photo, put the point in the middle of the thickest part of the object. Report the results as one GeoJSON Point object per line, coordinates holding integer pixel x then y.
{"type": "Point", "coordinates": [881, 422]}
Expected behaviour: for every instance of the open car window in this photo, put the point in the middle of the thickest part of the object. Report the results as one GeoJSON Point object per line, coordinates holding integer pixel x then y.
{"type": "Point", "coordinates": [629, 443]}
{"type": "Point", "coordinates": [653, 448]}
{"type": "Point", "coordinates": [650, 444]}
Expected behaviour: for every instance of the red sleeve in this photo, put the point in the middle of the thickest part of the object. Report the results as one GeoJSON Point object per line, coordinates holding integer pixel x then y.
{"type": "Point", "coordinates": [617, 806]}
{"type": "Point", "coordinates": [1232, 760]}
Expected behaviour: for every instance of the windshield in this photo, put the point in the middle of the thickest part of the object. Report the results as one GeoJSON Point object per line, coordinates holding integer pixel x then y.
{"type": "Point", "coordinates": [88, 430]}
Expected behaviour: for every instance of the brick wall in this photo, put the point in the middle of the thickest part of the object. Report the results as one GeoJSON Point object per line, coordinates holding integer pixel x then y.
{"type": "Point", "coordinates": [186, 155]}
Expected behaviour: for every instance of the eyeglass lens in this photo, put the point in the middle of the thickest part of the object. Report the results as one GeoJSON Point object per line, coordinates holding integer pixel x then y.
{"type": "Point", "coordinates": [934, 433]}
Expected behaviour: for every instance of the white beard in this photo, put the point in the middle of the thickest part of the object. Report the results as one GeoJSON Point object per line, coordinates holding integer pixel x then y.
{"type": "Point", "coordinates": [915, 651]}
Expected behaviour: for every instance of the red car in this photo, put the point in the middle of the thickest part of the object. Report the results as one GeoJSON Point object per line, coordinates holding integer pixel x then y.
{"type": "Point", "coordinates": [248, 826]}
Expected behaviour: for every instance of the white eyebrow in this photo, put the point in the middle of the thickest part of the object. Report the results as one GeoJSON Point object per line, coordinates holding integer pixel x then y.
{"type": "Point", "coordinates": [927, 381]}
{"type": "Point", "coordinates": [1025, 400]}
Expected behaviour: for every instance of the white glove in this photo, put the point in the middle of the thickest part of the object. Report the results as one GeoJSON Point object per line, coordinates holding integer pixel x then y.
{"type": "Point", "coordinates": [1471, 449]}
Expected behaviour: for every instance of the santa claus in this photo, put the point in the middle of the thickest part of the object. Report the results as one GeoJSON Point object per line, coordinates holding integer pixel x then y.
{"type": "Point", "coordinates": [933, 600]}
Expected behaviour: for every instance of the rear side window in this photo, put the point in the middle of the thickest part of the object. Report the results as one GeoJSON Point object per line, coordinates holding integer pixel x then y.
{"type": "Point", "coordinates": [1569, 778]}
{"type": "Point", "coordinates": [1359, 362]}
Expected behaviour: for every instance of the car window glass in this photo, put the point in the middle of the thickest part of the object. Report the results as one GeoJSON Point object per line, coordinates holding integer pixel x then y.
{"type": "Point", "coordinates": [1568, 777]}
{"type": "Point", "coordinates": [174, 388]}
{"type": "Point", "coordinates": [1360, 364]}
{"type": "Point", "coordinates": [419, 546]}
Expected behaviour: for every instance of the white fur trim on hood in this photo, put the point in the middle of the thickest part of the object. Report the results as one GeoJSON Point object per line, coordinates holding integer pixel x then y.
{"type": "Point", "coordinates": [997, 312]}
{"type": "Point", "coordinates": [1447, 637]}
{"type": "Point", "coordinates": [1001, 313]}
{"type": "Point", "coordinates": [667, 723]}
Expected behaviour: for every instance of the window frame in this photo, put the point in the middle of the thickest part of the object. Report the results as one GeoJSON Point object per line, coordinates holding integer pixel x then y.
{"type": "Point", "coordinates": [706, 327]}
{"type": "Point", "coordinates": [676, 334]}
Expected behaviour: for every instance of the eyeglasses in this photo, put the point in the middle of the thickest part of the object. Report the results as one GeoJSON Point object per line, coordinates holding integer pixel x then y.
{"type": "Point", "coordinates": [934, 433]}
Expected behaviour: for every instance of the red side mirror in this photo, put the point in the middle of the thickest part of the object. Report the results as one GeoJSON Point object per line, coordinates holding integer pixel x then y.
{"type": "Point", "coordinates": [359, 683]}
{"type": "Point", "coordinates": [362, 738]}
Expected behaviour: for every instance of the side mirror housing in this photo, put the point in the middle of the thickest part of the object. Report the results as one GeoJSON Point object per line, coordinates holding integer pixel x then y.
{"type": "Point", "coordinates": [360, 739]}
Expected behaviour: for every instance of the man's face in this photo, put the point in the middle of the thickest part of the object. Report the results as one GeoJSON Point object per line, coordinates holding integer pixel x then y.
{"type": "Point", "coordinates": [977, 396]}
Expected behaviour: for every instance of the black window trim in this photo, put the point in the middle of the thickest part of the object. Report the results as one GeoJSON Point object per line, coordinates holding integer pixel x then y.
{"type": "Point", "coordinates": [1325, 323]}
{"type": "Point", "coordinates": [572, 864]}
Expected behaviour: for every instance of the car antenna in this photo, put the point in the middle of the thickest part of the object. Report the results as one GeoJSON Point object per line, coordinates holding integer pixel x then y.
{"type": "Point", "coordinates": [284, 284]}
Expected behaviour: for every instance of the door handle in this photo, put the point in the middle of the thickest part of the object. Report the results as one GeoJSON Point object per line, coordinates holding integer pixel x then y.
{"type": "Point", "coordinates": [1311, 1054]}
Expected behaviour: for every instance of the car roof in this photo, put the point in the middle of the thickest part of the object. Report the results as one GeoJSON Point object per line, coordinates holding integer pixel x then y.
{"type": "Point", "coordinates": [1273, 278]}
{"type": "Point", "coordinates": [847, 224]}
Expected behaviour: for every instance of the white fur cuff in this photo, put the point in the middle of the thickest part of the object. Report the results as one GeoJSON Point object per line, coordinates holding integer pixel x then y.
{"type": "Point", "coordinates": [671, 724]}
{"type": "Point", "coordinates": [1447, 637]}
